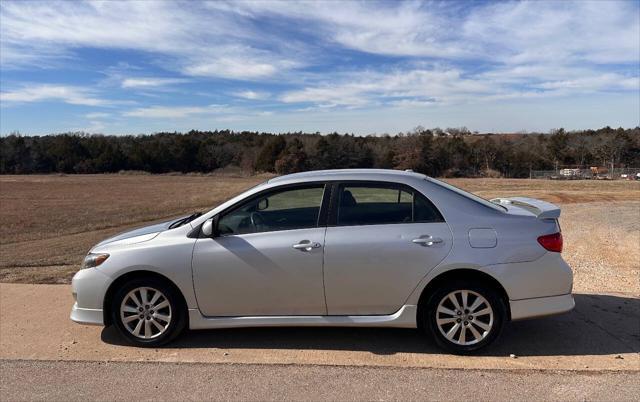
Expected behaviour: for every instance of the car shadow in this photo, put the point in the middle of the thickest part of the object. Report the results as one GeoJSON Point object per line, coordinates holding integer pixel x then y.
{"type": "Point", "coordinates": [599, 325]}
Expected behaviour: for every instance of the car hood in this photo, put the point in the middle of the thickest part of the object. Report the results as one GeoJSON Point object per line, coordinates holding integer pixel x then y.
{"type": "Point", "coordinates": [139, 235]}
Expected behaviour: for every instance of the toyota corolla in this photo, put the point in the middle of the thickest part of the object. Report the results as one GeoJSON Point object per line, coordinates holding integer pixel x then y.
{"type": "Point", "coordinates": [363, 248]}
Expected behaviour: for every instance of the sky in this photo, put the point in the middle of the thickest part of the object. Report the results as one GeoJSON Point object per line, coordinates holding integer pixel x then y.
{"type": "Point", "coordinates": [371, 67]}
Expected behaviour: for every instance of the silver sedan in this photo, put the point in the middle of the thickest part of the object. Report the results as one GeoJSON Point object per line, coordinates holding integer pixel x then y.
{"type": "Point", "coordinates": [366, 248]}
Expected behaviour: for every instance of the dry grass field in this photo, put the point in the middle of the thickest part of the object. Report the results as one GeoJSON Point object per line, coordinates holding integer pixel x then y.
{"type": "Point", "coordinates": [48, 222]}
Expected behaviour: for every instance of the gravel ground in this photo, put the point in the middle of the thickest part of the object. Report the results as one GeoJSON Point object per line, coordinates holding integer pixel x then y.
{"type": "Point", "coordinates": [602, 246]}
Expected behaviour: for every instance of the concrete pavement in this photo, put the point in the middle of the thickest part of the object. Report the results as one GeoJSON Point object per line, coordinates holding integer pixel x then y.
{"type": "Point", "coordinates": [602, 333]}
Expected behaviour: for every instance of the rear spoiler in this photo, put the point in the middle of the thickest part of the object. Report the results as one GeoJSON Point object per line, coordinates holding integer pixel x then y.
{"type": "Point", "coordinates": [541, 209]}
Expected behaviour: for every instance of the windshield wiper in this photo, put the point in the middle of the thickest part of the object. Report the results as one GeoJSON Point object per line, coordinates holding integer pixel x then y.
{"type": "Point", "coordinates": [182, 221]}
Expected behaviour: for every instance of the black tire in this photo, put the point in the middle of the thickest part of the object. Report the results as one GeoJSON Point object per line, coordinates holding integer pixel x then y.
{"type": "Point", "coordinates": [177, 309]}
{"type": "Point", "coordinates": [429, 316]}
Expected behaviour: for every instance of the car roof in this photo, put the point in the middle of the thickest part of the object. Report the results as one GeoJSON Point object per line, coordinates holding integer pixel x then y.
{"type": "Point", "coordinates": [348, 174]}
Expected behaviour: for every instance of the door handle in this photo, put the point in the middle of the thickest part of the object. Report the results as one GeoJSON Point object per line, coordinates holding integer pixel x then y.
{"type": "Point", "coordinates": [427, 241]}
{"type": "Point", "coordinates": [306, 245]}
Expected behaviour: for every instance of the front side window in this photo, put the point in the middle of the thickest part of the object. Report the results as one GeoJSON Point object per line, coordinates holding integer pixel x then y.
{"type": "Point", "coordinates": [287, 209]}
{"type": "Point", "coordinates": [378, 204]}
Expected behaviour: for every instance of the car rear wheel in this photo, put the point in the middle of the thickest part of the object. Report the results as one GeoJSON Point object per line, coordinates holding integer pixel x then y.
{"type": "Point", "coordinates": [148, 312]}
{"type": "Point", "coordinates": [464, 317]}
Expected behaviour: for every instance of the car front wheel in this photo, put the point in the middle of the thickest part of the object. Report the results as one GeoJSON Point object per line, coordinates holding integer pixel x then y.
{"type": "Point", "coordinates": [464, 317]}
{"type": "Point", "coordinates": [148, 312]}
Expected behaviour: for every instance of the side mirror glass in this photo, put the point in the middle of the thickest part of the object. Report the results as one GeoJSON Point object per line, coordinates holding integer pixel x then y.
{"type": "Point", "coordinates": [263, 204]}
{"type": "Point", "coordinates": [207, 228]}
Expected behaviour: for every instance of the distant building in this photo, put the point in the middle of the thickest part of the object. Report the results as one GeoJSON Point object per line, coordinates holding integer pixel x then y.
{"type": "Point", "coordinates": [570, 173]}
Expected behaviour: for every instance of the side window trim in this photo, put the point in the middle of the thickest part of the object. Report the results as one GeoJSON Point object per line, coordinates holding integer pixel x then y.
{"type": "Point", "coordinates": [337, 186]}
{"type": "Point", "coordinates": [414, 194]}
{"type": "Point", "coordinates": [324, 203]}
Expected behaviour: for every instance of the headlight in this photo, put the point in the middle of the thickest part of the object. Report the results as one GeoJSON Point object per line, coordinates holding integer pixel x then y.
{"type": "Point", "coordinates": [93, 260]}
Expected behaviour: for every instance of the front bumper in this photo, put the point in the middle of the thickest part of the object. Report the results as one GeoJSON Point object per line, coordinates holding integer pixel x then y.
{"type": "Point", "coordinates": [86, 315]}
{"type": "Point", "coordinates": [541, 306]}
{"type": "Point", "coordinates": [89, 287]}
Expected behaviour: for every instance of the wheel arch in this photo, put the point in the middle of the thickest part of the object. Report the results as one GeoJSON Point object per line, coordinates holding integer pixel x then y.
{"type": "Point", "coordinates": [140, 274]}
{"type": "Point", "coordinates": [460, 274]}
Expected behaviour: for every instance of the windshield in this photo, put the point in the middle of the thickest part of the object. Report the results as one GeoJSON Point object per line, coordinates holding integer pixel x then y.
{"type": "Point", "coordinates": [468, 195]}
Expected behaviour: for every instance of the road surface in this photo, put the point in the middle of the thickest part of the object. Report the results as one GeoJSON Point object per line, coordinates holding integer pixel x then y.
{"type": "Point", "coordinates": [196, 381]}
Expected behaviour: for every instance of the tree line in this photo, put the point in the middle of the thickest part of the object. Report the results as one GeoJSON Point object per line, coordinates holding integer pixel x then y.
{"type": "Point", "coordinates": [450, 153]}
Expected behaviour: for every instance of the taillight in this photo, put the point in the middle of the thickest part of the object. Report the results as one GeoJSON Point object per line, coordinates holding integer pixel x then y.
{"type": "Point", "coordinates": [552, 242]}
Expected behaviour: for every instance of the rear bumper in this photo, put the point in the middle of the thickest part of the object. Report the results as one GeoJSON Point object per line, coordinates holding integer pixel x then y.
{"type": "Point", "coordinates": [86, 315]}
{"type": "Point", "coordinates": [547, 276]}
{"type": "Point", "coordinates": [541, 306]}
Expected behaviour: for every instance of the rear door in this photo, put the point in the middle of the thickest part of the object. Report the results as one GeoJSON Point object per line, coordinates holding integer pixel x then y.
{"type": "Point", "coordinates": [382, 239]}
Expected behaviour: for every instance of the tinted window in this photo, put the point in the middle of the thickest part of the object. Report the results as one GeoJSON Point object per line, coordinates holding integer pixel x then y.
{"type": "Point", "coordinates": [362, 204]}
{"type": "Point", "coordinates": [424, 210]}
{"type": "Point", "coordinates": [293, 208]}
{"type": "Point", "coordinates": [365, 205]}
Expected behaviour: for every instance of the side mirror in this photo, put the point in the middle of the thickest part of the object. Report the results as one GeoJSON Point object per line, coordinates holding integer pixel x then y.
{"type": "Point", "coordinates": [208, 227]}
{"type": "Point", "coordinates": [263, 204]}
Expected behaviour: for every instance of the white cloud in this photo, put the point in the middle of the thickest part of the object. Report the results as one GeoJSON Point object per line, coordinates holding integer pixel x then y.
{"type": "Point", "coordinates": [150, 82]}
{"type": "Point", "coordinates": [212, 35]}
{"type": "Point", "coordinates": [603, 82]}
{"type": "Point", "coordinates": [523, 49]}
{"type": "Point", "coordinates": [225, 39]}
{"type": "Point", "coordinates": [231, 68]}
{"type": "Point", "coordinates": [400, 28]}
{"type": "Point", "coordinates": [412, 103]}
{"type": "Point", "coordinates": [174, 112]}
{"type": "Point", "coordinates": [518, 32]}
{"type": "Point", "coordinates": [420, 85]}
{"type": "Point", "coordinates": [93, 127]}
{"type": "Point", "coordinates": [197, 44]}
{"type": "Point", "coordinates": [93, 24]}
{"type": "Point", "coordinates": [67, 94]}
{"type": "Point", "coordinates": [558, 32]}
{"type": "Point", "coordinates": [251, 95]}
{"type": "Point", "coordinates": [427, 87]}
{"type": "Point", "coordinates": [97, 115]}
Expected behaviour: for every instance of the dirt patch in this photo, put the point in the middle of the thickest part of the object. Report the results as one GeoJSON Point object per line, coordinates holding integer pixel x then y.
{"type": "Point", "coordinates": [556, 191]}
{"type": "Point", "coordinates": [47, 206]}
{"type": "Point", "coordinates": [52, 274]}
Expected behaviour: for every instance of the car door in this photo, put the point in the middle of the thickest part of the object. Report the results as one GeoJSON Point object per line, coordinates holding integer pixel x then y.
{"type": "Point", "coordinates": [266, 258]}
{"type": "Point", "coordinates": [381, 240]}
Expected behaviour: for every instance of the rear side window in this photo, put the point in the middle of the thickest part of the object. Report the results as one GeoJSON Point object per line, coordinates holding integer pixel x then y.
{"type": "Point", "coordinates": [379, 204]}
{"type": "Point", "coordinates": [424, 210]}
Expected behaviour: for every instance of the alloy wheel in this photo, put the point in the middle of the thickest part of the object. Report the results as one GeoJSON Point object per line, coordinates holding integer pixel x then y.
{"type": "Point", "coordinates": [464, 317]}
{"type": "Point", "coordinates": [145, 312]}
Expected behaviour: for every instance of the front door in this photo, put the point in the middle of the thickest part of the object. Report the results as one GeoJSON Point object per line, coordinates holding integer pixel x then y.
{"type": "Point", "coordinates": [381, 241]}
{"type": "Point", "coordinates": [267, 258]}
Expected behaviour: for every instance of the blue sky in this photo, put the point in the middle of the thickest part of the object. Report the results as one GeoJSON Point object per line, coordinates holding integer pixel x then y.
{"type": "Point", "coordinates": [362, 67]}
